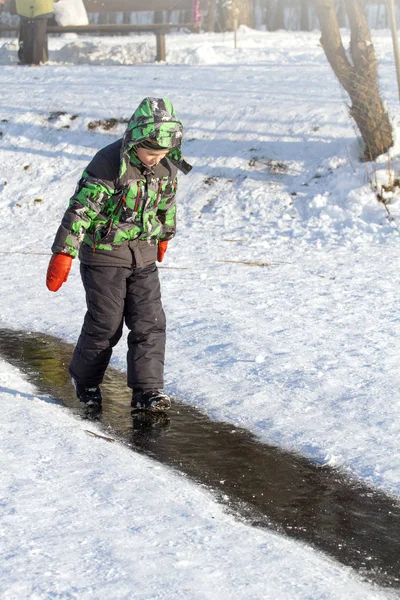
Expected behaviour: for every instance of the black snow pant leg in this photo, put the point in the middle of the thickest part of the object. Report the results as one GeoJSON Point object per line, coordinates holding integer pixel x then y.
{"type": "Point", "coordinates": [105, 289]}
{"type": "Point", "coordinates": [145, 318]}
{"type": "Point", "coordinates": [33, 48]}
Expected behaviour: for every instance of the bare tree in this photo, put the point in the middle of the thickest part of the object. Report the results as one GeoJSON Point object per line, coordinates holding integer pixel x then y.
{"type": "Point", "coordinates": [268, 13]}
{"type": "Point", "coordinates": [278, 21]}
{"type": "Point", "coordinates": [304, 18]}
{"type": "Point", "coordinates": [211, 13]}
{"type": "Point", "coordinates": [240, 9]}
{"type": "Point", "coordinates": [341, 13]}
{"type": "Point", "coordinates": [357, 74]}
{"type": "Point", "coordinates": [275, 14]}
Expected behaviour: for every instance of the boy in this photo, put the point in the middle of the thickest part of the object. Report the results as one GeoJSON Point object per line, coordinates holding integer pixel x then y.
{"type": "Point", "coordinates": [120, 219]}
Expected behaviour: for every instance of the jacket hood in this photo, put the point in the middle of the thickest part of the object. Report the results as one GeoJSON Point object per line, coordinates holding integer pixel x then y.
{"type": "Point", "coordinates": [154, 120]}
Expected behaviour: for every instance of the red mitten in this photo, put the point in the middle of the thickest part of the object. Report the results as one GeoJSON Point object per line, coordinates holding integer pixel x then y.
{"type": "Point", "coordinates": [161, 250]}
{"type": "Point", "coordinates": [58, 271]}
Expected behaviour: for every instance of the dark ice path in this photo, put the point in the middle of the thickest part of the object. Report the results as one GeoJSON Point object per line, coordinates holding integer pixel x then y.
{"type": "Point", "coordinates": [266, 486]}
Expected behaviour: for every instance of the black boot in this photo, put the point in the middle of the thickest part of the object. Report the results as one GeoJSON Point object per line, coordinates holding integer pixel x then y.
{"type": "Point", "coordinates": [90, 395]}
{"type": "Point", "coordinates": [150, 400]}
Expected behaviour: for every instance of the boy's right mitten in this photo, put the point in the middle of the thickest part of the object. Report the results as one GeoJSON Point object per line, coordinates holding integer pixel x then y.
{"type": "Point", "coordinates": [58, 271]}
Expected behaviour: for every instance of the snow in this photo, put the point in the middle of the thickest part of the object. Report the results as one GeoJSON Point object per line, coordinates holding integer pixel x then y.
{"type": "Point", "coordinates": [303, 351]}
{"type": "Point", "coordinates": [84, 518]}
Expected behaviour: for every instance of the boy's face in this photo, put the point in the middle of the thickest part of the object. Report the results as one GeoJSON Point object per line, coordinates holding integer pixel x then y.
{"type": "Point", "coordinates": [151, 158]}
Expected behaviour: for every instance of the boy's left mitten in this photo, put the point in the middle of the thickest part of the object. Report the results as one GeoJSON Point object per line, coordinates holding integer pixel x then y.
{"type": "Point", "coordinates": [58, 271]}
{"type": "Point", "coordinates": [161, 250]}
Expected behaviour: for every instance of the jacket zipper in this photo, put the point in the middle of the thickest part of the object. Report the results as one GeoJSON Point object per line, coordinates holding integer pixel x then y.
{"type": "Point", "coordinates": [135, 208]}
{"type": "Point", "coordinates": [158, 194]}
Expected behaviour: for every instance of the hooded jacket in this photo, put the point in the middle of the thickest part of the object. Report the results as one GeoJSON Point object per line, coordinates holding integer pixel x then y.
{"type": "Point", "coordinates": [121, 207]}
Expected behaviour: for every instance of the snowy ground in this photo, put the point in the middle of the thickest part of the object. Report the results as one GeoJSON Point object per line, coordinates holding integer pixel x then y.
{"type": "Point", "coordinates": [303, 351]}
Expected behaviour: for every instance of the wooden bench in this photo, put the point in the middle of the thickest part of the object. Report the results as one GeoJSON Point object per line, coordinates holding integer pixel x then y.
{"type": "Point", "coordinates": [112, 6]}
{"type": "Point", "coordinates": [160, 30]}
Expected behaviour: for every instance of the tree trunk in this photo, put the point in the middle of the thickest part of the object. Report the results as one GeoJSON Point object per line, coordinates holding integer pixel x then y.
{"type": "Point", "coordinates": [304, 20]}
{"type": "Point", "coordinates": [358, 77]}
{"type": "Point", "coordinates": [278, 17]}
{"type": "Point", "coordinates": [245, 12]}
{"type": "Point", "coordinates": [239, 9]}
{"type": "Point", "coordinates": [269, 14]}
{"type": "Point", "coordinates": [341, 13]}
{"type": "Point", "coordinates": [211, 12]}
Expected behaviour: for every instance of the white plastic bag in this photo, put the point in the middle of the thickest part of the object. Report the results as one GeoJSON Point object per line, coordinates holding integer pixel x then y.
{"type": "Point", "coordinates": [70, 12]}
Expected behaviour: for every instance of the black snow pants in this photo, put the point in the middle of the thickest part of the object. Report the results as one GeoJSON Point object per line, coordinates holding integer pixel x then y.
{"type": "Point", "coordinates": [33, 48]}
{"type": "Point", "coordinates": [115, 295]}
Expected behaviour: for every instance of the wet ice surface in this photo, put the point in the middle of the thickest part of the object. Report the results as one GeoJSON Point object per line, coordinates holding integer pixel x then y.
{"type": "Point", "coordinates": [264, 485]}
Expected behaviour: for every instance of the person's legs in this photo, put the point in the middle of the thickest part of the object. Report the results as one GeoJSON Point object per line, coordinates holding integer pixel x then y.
{"type": "Point", "coordinates": [33, 48]}
{"type": "Point", "coordinates": [105, 289]}
{"type": "Point", "coordinates": [40, 47]}
{"type": "Point", "coordinates": [145, 318]}
{"type": "Point", "coordinates": [25, 41]}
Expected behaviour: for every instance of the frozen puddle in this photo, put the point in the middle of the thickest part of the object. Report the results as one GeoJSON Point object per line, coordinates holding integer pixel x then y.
{"type": "Point", "coordinates": [266, 486]}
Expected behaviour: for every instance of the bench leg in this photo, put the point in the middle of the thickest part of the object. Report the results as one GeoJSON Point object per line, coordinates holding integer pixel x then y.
{"type": "Point", "coordinates": [161, 47]}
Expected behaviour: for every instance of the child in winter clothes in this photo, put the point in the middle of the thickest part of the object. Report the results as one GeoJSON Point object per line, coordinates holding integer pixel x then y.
{"type": "Point", "coordinates": [120, 220]}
